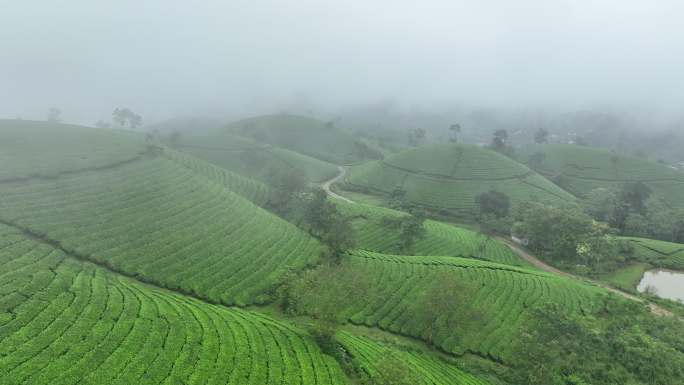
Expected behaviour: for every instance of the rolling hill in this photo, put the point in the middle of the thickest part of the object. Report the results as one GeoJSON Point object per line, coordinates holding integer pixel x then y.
{"type": "Point", "coordinates": [307, 136]}
{"type": "Point", "coordinates": [581, 169]}
{"type": "Point", "coordinates": [502, 296]}
{"type": "Point", "coordinates": [32, 149]}
{"type": "Point", "coordinates": [164, 218]}
{"type": "Point", "coordinates": [448, 177]}
{"type": "Point", "coordinates": [372, 234]}
{"type": "Point", "coordinates": [253, 160]}
{"type": "Point", "coordinates": [65, 321]}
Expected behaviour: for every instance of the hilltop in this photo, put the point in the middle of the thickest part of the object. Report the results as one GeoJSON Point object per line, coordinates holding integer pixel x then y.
{"type": "Point", "coordinates": [305, 135]}
{"type": "Point", "coordinates": [254, 160]}
{"type": "Point", "coordinates": [580, 169]}
{"type": "Point", "coordinates": [449, 177]}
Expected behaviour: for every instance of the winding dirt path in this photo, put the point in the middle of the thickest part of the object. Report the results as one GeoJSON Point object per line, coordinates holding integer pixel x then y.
{"type": "Point", "coordinates": [655, 309]}
{"type": "Point", "coordinates": [326, 185]}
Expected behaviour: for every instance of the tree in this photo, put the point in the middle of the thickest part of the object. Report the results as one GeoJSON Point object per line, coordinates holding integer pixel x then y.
{"type": "Point", "coordinates": [285, 187]}
{"type": "Point", "coordinates": [54, 115]}
{"type": "Point", "coordinates": [500, 139]}
{"type": "Point", "coordinates": [410, 227]}
{"type": "Point", "coordinates": [102, 124]}
{"type": "Point", "coordinates": [563, 234]}
{"type": "Point", "coordinates": [541, 136]}
{"type": "Point", "coordinates": [323, 220]}
{"type": "Point", "coordinates": [493, 202]}
{"type": "Point", "coordinates": [454, 129]}
{"type": "Point", "coordinates": [537, 160]}
{"type": "Point", "coordinates": [600, 203]}
{"type": "Point", "coordinates": [123, 116]}
{"type": "Point", "coordinates": [417, 136]}
{"type": "Point", "coordinates": [635, 195]}
{"type": "Point", "coordinates": [444, 306]}
{"type": "Point", "coordinates": [324, 293]}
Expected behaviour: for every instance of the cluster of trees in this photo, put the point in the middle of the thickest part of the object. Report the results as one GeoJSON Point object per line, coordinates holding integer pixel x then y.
{"type": "Point", "coordinates": [325, 293]}
{"type": "Point", "coordinates": [621, 343]}
{"type": "Point", "coordinates": [309, 208]}
{"type": "Point", "coordinates": [635, 211]}
{"type": "Point", "coordinates": [567, 236]}
{"type": "Point", "coordinates": [124, 116]}
{"type": "Point", "coordinates": [411, 228]}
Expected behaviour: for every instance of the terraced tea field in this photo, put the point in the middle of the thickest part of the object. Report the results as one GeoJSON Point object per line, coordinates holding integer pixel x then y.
{"type": "Point", "coordinates": [31, 148]}
{"type": "Point", "coordinates": [305, 135]}
{"type": "Point", "coordinates": [440, 238]}
{"type": "Point", "coordinates": [254, 160]}
{"type": "Point", "coordinates": [502, 297]}
{"type": "Point", "coordinates": [581, 169]}
{"type": "Point", "coordinates": [449, 177]}
{"type": "Point", "coordinates": [164, 223]}
{"type": "Point", "coordinates": [658, 253]}
{"type": "Point", "coordinates": [63, 321]}
{"type": "Point", "coordinates": [369, 355]}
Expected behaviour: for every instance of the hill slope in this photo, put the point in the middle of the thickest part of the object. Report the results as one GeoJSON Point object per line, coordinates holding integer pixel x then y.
{"type": "Point", "coordinates": [305, 135]}
{"type": "Point", "coordinates": [253, 160]}
{"type": "Point", "coordinates": [502, 297]}
{"type": "Point", "coordinates": [29, 148]}
{"type": "Point", "coordinates": [372, 234]}
{"type": "Point", "coordinates": [450, 176]}
{"type": "Point", "coordinates": [63, 321]}
{"type": "Point", "coordinates": [165, 218]}
{"type": "Point", "coordinates": [581, 169]}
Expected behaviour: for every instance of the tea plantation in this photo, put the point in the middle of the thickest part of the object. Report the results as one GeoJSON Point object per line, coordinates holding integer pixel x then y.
{"type": "Point", "coordinates": [373, 234]}
{"type": "Point", "coordinates": [658, 253]}
{"type": "Point", "coordinates": [63, 321]}
{"type": "Point", "coordinates": [166, 224]}
{"type": "Point", "coordinates": [581, 169]}
{"type": "Point", "coordinates": [254, 160]}
{"type": "Point", "coordinates": [449, 177]}
{"type": "Point", "coordinates": [501, 296]}
{"type": "Point", "coordinates": [307, 136]}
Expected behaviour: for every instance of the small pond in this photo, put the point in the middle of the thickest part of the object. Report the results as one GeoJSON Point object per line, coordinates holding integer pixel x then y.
{"type": "Point", "coordinates": [663, 283]}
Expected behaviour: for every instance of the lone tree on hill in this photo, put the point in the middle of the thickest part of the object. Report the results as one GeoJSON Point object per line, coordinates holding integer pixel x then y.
{"type": "Point", "coordinates": [54, 115]}
{"type": "Point", "coordinates": [124, 116]}
{"type": "Point", "coordinates": [455, 129]}
{"type": "Point", "coordinates": [500, 139]}
{"type": "Point", "coordinates": [324, 221]}
{"type": "Point", "coordinates": [493, 203]}
{"type": "Point", "coordinates": [541, 136]}
{"type": "Point", "coordinates": [417, 136]}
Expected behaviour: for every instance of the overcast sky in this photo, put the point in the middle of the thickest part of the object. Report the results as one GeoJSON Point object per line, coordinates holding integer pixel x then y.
{"type": "Point", "coordinates": [164, 57]}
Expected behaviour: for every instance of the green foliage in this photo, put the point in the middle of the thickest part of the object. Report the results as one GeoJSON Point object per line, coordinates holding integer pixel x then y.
{"type": "Point", "coordinates": [448, 178]}
{"type": "Point", "coordinates": [620, 344]}
{"type": "Point", "coordinates": [123, 116]}
{"type": "Point", "coordinates": [306, 136]}
{"type": "Point", "coordinates": [493, 203]}
{"type": "Point", "coordinates": [252, 159]}
{"type": "Point", "coordinates": [541, 136]}
{"type": "Point", "coordinates": [167, 223]}
{"type": "Point", "coordinates": [324, 221]}
{"type": "Point", "coordinates": [410, 228]}
{"type": "Point", "coordinates": [71, 322]}
{"type": "Point", "coordinates": [564, 234]}
{"type": "Point", "coordinates": [489, 302]}
{"type": "Point", "coordinates": [372, 233]}
{"type": "Point", "coordinates": [584, 169]}
{"type": "Point", "coordinates": [383, 363]}
{"type": "Point", "coordinates": [323, 293]}
{"type": "Point", "coordinates": [33, 149]}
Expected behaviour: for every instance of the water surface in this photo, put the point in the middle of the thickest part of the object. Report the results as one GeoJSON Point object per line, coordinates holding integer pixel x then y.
{"type": "Point", "coordinates": [666, 284]}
